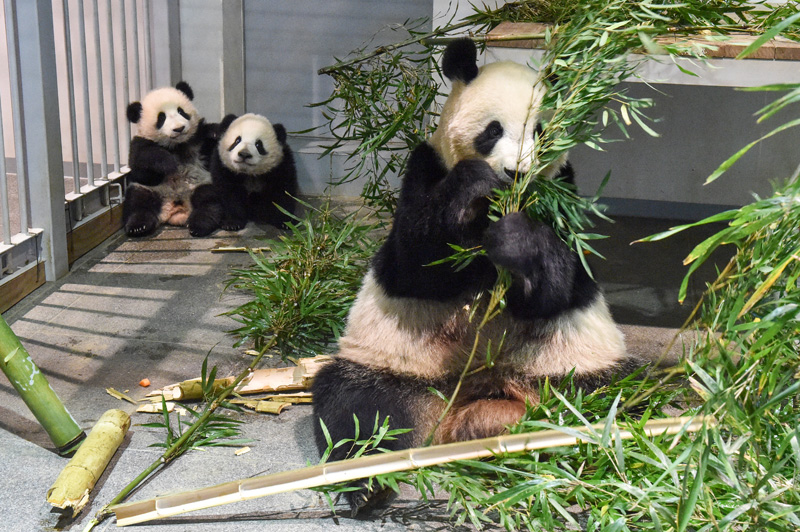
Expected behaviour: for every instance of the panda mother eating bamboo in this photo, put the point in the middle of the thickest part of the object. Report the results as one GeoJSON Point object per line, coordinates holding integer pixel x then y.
{"type": "Point", "coordinates": [410, 329]}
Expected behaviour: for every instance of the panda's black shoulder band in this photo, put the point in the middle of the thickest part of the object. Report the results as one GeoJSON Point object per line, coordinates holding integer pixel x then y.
{"type": "Point", "coordinates": [460, 60]}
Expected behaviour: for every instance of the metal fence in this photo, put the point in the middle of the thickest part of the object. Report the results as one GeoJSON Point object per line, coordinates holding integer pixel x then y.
{"type": "Point", "coordinates": [68, 68]}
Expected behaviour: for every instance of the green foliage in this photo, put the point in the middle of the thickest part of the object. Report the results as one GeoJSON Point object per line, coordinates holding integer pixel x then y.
{"type": "Point", "coordinates": [304, 288]}
{"type": "Point", "coordinates": [213, 430]}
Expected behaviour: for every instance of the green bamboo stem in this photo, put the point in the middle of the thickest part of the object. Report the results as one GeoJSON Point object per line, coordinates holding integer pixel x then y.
{"type": "Point", "coordinates": [178, 446]}
{"type": "Point", "coordinates": [34, 389]}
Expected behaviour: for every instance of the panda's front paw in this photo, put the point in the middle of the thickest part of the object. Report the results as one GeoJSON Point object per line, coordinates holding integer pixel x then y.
{"type": "Point", "coordinates": [366, 498]}
{"type": "Point", "coordinates": [515, 242]}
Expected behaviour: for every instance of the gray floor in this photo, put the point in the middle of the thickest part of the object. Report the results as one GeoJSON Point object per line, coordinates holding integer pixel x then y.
{"type": "Point", "coordinates": [152, 308]}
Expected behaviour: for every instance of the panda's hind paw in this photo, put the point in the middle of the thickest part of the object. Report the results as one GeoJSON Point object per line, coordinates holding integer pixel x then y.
{"type": "Point", "coordinates": [233, 225]}
{"type": "Point", "coordinates": [365, 499]}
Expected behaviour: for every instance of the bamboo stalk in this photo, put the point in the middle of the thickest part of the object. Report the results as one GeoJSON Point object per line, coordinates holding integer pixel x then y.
{"type": "Point", "coordinates": [34, 389]}
{"type": "Point", "coordinates": [376, 464]}
{"type": "Point", "coordinates": [257, 381]}
{"type": "Point", "coordinates": [71, 488]}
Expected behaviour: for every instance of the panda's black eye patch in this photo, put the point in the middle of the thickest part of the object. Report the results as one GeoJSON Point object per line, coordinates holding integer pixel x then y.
{"type": "Point", "coordinates": [161, 119]}
{"type": "Point", "coordinates": [184, 113]}
{"type": "Point", "coordinates": [235, 143]}
{"type": "Point", "coordinates": [260, 147]}
{"type": "Point", "coordinates": [484, 143]}
{"type": "Point", "coordinates": [539, 130]}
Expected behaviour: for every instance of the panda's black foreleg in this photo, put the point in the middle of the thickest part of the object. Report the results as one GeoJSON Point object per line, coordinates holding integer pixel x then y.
{"type": "Point", "coordinates": [234, 206]}
{"type": "Point", "coordinates": [140, 211]}
{"type": "Point", "coordinates": [343, 390]}
{"type": "Point", "coordinates": [206, 214]}
{"type": "Point", "coordinates": [264, 208]}
{"type": "Point", "coordinates": [548, 277]}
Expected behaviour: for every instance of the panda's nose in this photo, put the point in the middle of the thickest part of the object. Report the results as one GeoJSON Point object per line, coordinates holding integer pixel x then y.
{"type": "Point", "coordinates": [245, 155]}
{"type": "Point", "coordinates": [179, 129]}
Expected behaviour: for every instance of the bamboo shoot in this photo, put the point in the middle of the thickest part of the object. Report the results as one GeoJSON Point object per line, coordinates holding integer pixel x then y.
{"type": "Point", "coordinates": [71, 488]}
{"type": "Point", "coordinates": [34, 389]}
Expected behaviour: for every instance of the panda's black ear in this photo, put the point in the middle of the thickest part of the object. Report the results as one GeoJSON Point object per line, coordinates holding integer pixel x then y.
{"type": "Point", "coordinates": [459, 62]}
{"type": "Point", "coordinates": [280, 132]}
{"type": "Point", "coordinates": [134, 112]}
{"type": "Point", "coordinates": [186, 89]}
{"type": "Point", "coordinates": [226, 122]}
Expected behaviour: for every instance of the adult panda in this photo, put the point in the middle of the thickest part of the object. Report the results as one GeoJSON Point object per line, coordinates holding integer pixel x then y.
{"type": "Point", "coordinates": [168, 160]}
{"type": "Point", "coordinates": [409, 329]}
{"type": "Point", "coordinates": [253, 172]}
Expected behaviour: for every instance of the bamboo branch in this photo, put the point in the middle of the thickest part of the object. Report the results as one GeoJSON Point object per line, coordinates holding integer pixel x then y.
{"type": "Point", "coordinates": [178, 446]}
{"type": "Point", "coordinates": [377, 464]}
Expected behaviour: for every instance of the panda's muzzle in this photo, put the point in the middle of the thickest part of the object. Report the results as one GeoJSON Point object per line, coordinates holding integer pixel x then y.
{"type": "Point", "coordinates": [244, 155]}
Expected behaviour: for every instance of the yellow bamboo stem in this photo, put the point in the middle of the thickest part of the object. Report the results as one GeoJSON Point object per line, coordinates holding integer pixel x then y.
{"type": "Point", "coordinates": [71, 488]}
{"type": "Point", "coordinates": [372, 465]}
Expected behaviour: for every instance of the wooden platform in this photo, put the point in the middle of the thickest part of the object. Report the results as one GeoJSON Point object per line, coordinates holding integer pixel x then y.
{"type": "Point", "coordinates": [513, 35]}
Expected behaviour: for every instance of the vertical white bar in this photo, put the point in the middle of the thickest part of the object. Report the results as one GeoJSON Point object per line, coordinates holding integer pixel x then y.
{"type": "Point", "coordinates": [101, 118]}
{"type": "Point", "coordinates": [125, 78]}
{"type": "Point", "coordinates": [137, 88]}
{"type": "Point", "coordinates": [148, 63]}
{"type": "Point", "coordinates": [112, 76]}
{"type": "Point", "coordinates": [73, 119]}
{"type": "Point", "coordinates": [44, 161]}
{"type": "Point", "coordinates": [87, 115]}
{"type": "Point", "coordinates": [4, 185]}
{"type": "Point", "coordinates": [12, 41]}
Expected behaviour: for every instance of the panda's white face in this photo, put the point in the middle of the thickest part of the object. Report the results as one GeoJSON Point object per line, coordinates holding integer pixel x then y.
{"type": "Point", "coordinates": [168, 117]}
{"type": "Point", "coordinates": [495, 117]}
{"type": "Point", "coordinates": [250, 146]}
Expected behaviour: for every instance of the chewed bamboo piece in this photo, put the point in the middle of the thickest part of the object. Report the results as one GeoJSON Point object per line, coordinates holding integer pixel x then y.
{"type": "Point", "coordinates": [259, 381]}
{"type": "Point", "coordinates": [376, 464]}
{"type": "Point", "coordinates": [71, 488]}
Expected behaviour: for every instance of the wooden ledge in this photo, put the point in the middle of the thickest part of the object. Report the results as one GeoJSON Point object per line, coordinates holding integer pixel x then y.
{"type": "Point", "coordinates": [512, 35]}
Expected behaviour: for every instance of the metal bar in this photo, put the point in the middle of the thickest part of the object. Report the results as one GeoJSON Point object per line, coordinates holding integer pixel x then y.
{"type": "Point", "coordinates": [125, 78]}
{"type": "Point", "coordinates": [100, 97]}
{"type": "Point", "coordinates": [12, 41]}
{"type": "Point", "coordinates": [73, 120]}
{"type": "Point", "coordinates": [87, 114]}
{"type": "Point", "coordinates": [148, 63]}
{"type": "Point", "coordinates": [4, 186]}
{"type": "Point", "coordinates": [135, 35]}
{"type": "Point", "coordinates": [113, 92]}
{"type": "Point", "coordinates": [44, 159]}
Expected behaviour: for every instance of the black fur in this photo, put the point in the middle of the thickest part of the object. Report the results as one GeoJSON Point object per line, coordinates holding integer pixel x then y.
{"type": "Point", "coordinates": [140, 211]}
{"type": "Point", "coordinates": [186, 89]}
{"type": "Point", "coordinates": [459, 60]}
{"type": "Point", "coordinates": [235, 205]}
{"type": "Point", "coordinates": [134, 112]}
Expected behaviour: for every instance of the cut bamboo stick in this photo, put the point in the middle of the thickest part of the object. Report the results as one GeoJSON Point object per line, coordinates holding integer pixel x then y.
{"type": "Point", "coordinates": [71, 488]}
{"type": "Point", "coordinates": [376, 464]}
{"type": "Point", "coordinates": [260, 381]}
{"type": "Point", "coordinates": [34, 389]}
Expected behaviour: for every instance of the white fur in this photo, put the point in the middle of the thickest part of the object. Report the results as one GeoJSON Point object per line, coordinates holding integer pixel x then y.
{"type": "Point", "coordinates": [250, 128]}
{"type": "Point", "coordinates": [431, 339]}
{"type": "Point", "coordinates": [167, 100]}
{"type": "Point", "coordinates": [505, 91]}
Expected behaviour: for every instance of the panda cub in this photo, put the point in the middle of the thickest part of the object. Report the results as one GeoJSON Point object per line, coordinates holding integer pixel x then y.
{"type": "Point", "coordinates": [253, 173]}
{"type": "Point", "coordinates": [410, 328]}
{"type": "Point", "coordinates": [168, 160]}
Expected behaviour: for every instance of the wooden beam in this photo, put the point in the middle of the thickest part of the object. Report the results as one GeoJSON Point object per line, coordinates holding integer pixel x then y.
{"type": "Point", "coordinates": [12, 292]}
{"type": "Point", "coordinates": [513, 35]}
{"type": "Point", "coordinates": [86, 237]}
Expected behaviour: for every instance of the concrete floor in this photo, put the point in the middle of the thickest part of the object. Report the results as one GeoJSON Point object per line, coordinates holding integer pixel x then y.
{"type": "Point", "coordinates": [152, 308]}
